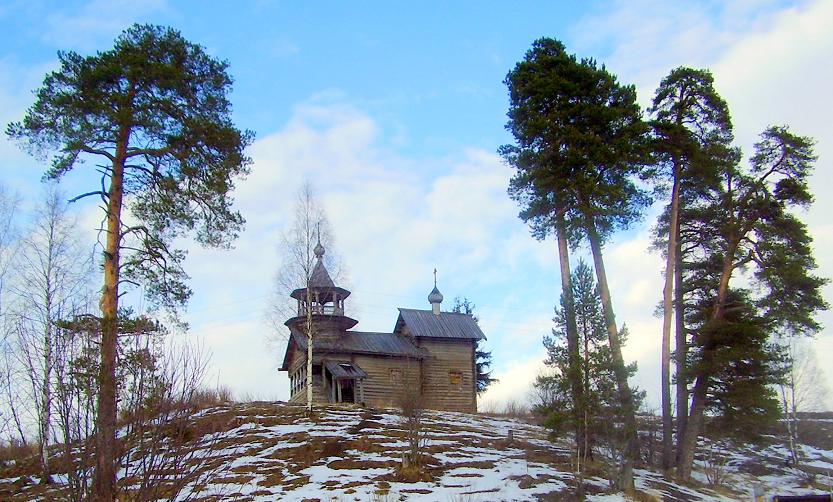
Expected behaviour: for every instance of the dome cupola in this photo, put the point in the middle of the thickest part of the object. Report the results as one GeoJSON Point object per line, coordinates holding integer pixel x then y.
{"type": "Point", "coordinates": [435, 298]}
{"type": "Point", "coordinates": [321, 297]}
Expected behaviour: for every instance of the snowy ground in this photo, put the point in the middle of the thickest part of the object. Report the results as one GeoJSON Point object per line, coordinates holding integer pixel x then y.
{"type": "Point", "coordinates": [271, 451]}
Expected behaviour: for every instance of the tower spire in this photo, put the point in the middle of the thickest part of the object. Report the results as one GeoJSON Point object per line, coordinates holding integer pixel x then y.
{"type": "Point", "coordinates": [319, 249]}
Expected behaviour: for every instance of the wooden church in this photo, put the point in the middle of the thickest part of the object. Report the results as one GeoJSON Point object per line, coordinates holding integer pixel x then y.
{"type": "Point", "coordinates": [429, 352]}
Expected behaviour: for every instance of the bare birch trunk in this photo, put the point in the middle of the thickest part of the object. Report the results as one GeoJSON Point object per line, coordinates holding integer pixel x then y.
{"type": "Point", "coordinates": [309, 348]}
{"type": "Point", "coordinates": [46, 396]}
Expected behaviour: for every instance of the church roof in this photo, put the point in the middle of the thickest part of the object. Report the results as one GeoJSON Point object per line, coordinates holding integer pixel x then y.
{"type": "Point", "coordinates": [427, 324]}
{"type": "Point", "coordinates": [320, 278]}
{"type": "Point", "coordinates": [359, 342]}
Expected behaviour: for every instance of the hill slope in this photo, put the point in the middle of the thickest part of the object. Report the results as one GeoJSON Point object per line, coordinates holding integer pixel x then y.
{"type": "Point", "coordinates": [272, 451]}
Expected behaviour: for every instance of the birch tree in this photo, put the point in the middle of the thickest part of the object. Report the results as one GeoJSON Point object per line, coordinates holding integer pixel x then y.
{"type": "Point", "coordinates": [802, 389]}
{"type": "Point", "coordinates": [8, 246]}
{"type": "Point", "coordinates": [53, 270]}
{"type": "Point", "coordinates": [309, 230]}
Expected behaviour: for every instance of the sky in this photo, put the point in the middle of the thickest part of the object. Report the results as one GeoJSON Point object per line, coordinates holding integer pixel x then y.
{"type": "Point", "coordinates": [394, 115]}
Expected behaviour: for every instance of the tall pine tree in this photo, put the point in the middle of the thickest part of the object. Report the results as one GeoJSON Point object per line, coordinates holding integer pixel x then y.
{"type": "Point", "coordinates": [748, 227]}
{"type": "Point", "coordinates": [580, 141]}
{"type": "Point", "coordinates": [153, 118]}
{"type": "Point", "coordinates": [693, 133]}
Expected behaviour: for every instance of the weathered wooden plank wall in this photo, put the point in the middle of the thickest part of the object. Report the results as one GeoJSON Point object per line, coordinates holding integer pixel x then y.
{"type": "Point", "coordinates": [441, 387]}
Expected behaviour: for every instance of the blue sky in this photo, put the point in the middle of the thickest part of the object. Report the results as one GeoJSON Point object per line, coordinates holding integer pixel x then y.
{"type": "Point", "coordinates": [394, 114]}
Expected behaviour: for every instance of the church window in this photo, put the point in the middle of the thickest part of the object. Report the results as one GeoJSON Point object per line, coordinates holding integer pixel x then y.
{"type": "Point", "coordinates": [395, 375]}
{"type": "Point", "coordinates": [455, 378]}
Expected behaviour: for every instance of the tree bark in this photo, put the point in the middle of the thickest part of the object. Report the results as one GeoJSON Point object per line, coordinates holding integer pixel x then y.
{"type": "Point", "coordinates": [688, 445]}
{"type": "Point", "coordinates": [574, 367]}
{"type": "Point", "coordinates": [104, 480]}
{"type": "Point", "coordinates": [667, 315]}
{"type": "Point", "coordinates": [681, 347]}
{"type": "Point", "coordinates": [309, 349]}
{"type": "Point", "coordinates": [46, 393]}
{"type": "Point", "coordinates": [46, 396]}
{"type": "Point", "coordinates": [631, 454]}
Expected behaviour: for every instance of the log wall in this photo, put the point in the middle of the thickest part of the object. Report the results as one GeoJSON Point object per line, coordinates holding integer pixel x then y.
{"type": "Point", "coordinates": [448, 374]}
{"type": "Point", "coordinates": [445, 377]}
{"type": "Point", "coordinates": [388, 379]}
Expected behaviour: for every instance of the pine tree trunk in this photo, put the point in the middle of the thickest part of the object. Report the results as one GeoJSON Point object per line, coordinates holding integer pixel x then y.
{"type": "Point", "coordinates": [631, 454]}
{"type": "Point", "coordinates": [681, 348]}
{"type": "Point", "coordinates": [586, 423]}
{"type": "Point", "coordinates": [574, 366]}
{"type": "Point", "coordinates": [688, 444]}
{"type": "Point", "coordinates": [104, 481]}
{"type": "Point", "coordinates": [667, 315]}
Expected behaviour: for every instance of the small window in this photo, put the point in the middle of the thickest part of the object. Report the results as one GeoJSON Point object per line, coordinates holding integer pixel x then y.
{"type": "Point", "coordinates": [395, 375]}
{"type": "Point", "coordinates": [455, 378]}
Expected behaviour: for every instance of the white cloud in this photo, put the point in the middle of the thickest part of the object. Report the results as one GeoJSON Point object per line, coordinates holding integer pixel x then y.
{"type": "Point", "coordinates": [84, 28]}
{"type": "Point", "coordinates": [514, 382]}
{"type": "Point", "coordinates": [394, 219]}
{"type": "Point", "coordinates": [397, 217]}
{"type": "Point", "coordinates": [769, 63]}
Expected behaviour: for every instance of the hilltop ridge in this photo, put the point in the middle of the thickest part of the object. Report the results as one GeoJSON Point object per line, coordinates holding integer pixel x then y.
{"type": "Point", "coordinates": [272, 451]}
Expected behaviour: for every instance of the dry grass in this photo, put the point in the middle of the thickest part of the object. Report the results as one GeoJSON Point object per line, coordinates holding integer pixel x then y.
{"type": "Point", "coordinates": [362, 441]}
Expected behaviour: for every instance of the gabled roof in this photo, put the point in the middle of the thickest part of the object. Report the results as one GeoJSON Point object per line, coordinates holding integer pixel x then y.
{"type": "Point", "coordinates": [424, 323]}
{"type": "Point", "coordinates": [357, 342]}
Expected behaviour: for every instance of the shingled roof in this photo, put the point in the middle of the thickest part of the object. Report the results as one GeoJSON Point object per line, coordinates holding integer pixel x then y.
{"type": "Point", "coordinates": [359, 342]}
{"type": "Point", "coordinates": [320, 278]}
{"type": "Point", "coordinates": [443, 325]}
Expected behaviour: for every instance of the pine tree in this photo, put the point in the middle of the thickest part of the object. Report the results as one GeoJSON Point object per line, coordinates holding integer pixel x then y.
{"type": "Point", "coordinates": [602, 407]}
{"type": "Point", "coordinates": [748, 226]}
{"type": "Point", "coordinates": [580, 142]}
{"type": "Point", "coordinates": [482, 358]}
{"type": "Point", "coordinates": [153, 115]}
{"type": "Point", "coordinates": [692, 132]}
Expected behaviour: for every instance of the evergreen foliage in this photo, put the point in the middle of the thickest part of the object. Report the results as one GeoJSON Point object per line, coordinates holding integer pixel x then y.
{"type": "Point", "coordinates": [580, 140]}
{"type": "Point", "coordinates": [747, 227]}
{"type": "Point", "coordinates": [602, 406]}
{"type": "Point", "coordinates": [745, 367]}
{"type": "Point", "coordinates": [153, 114]}
{"type": "Point", "coordinates": [482, 358]}
{"type": "Point", "coordinates": [692, 134]}
{"type": "Point", "coordinates": [156, 105]}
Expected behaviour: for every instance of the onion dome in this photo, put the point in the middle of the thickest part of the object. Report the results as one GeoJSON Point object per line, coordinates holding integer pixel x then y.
{"type": "Point", "coordinates": [435, 298]}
